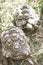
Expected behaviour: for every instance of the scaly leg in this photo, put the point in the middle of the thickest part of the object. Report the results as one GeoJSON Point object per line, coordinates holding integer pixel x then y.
{"type": "Point", "coordinates": [5, 61]}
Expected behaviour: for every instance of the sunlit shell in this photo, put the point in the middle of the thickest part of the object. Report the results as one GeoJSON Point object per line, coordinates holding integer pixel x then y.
{"type": "Point", "coordinates": [16, 44]}
{"type": "Point", "coordinates": [25, 14]}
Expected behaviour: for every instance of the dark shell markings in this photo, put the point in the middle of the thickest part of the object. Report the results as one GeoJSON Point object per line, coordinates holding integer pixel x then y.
{"type": "Point", "coordinates": [15, 43]}
{"type": "Point", "coordinates": [25, 17]}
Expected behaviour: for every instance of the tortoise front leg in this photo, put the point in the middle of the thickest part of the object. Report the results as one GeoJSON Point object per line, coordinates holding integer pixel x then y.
{"type": "Point", "coordinates": [11, 61]}
{"type": "Point", "coordinates": [5, 61]}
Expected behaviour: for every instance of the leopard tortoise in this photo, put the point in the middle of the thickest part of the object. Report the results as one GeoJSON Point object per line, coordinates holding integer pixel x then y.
{"type": "Point", "coordinates": [14, 43]}
{"type": "Point", "coordinates": [26, 17]}
{"type": "Point", "coordinates": [15, 46]}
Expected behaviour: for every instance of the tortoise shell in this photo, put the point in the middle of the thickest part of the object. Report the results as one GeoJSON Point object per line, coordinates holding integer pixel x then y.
{"type": "Point", "coordinates": [25, 15]}
{"type": "Point", "coordinates": [14, 43]}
